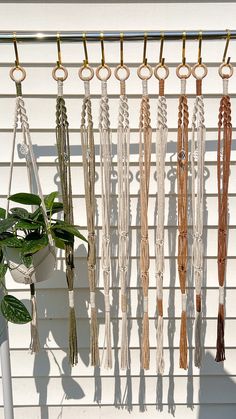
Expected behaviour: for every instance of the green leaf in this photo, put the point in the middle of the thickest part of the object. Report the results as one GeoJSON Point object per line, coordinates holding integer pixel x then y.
{"type": "Point", "coordinates": [25, 198]}
{"type": "Point", "coordinates": [59, 243]}
{"type": "Point", "coordinates": [27, 225]}
{"type": "Point", "coordinates": [57, 207]}
{"type": "Point", "coordinates": [3, 270]}
{"type": "Point", "coordinates": [32, 246]}
{"type": "Point", "coordinates": [14, 310]}
{"type": "Point", "coordinates": [20, 212]}
{"type": "Point", "coordinates": [27, 260]}
{"type": "Point", "coordinates": [12, 242]}
{"type": "Point", "coordinates": [2, 213]}
{"type": "Point", "coordinates": [62, 235]}
{"type": "Point", "coordinates": [49, 200]}
{"type": "Point", "coordinates": [6, 224]}
{"type": "Point", "coordinates": [70, 229]}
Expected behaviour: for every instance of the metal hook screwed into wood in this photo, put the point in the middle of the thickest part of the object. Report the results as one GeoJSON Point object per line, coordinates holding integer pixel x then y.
{"type": "Point", "coordinates": [59, 65]}
{"type": "Point", "coordinates": [17, 68]}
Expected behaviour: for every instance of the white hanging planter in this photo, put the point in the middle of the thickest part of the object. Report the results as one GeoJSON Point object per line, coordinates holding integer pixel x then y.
{"type": "Point", "coordinates": [42, 268]}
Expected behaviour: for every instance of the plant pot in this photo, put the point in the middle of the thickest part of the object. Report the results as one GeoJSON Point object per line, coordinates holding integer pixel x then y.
{"type": "Point", "coordinates": [42, 268]}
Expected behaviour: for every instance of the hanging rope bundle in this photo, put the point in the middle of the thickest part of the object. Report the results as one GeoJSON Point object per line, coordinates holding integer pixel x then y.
{"type": "Point", "coordinates": [145, 140]}
{"type": "Point", "coordinates": [197, 168]}
{"type": "Point", "coordinates": [223, 171]}
{"type": "Point", "coordinates": [105, 165]}
{"type": "Point", "coordinates": [161, 141]}
{"type": "Point", "coordinates": [123, 142]}
{"type": "Point", "coordinates": [183, 71]}
{"type": "Point", "coordinates": [26, 149]}
{"type": "Point", "coordinates": [63, 149]}
{"type": "Point", "coordinates": [88, 153]}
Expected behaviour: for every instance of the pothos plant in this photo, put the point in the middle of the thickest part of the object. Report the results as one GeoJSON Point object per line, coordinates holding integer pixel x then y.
{"type": "Point", "coordinates": [27, 232]}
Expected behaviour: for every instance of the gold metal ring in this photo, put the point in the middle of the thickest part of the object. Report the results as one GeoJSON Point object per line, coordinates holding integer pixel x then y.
{"type": "Point", "coordinates": [205, 71]}
{"type": "Point", "coordinates": [122, 67]}
{"type": "Point", "coordinates": [21, 70]}
{"type": "Point", "coordinates": [146, 66]}
{"type": "Point", "coordinates": [101, 67]}
{"type": "Point", "coordinates": [183, 76]}
{"type": "Point", "coordinates": [221, 70]}
{"type": "Point", "coordinates": [82, 69]}
{"type": "Point", "coordinates": [163, 66]}
{"type": "Point", "coordinates": [63, 69]}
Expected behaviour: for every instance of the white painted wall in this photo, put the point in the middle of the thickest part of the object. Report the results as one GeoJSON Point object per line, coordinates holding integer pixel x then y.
{"type": "Point", "coordinates": [45, 386]}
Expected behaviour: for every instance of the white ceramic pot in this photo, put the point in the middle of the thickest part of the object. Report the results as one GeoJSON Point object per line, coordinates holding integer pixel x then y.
{"type": "Point", "coordinates": [42, 268]}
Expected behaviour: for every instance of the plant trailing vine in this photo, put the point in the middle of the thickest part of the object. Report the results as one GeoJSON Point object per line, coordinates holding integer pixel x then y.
{"type": "Point", "coordinates": [27, 231]}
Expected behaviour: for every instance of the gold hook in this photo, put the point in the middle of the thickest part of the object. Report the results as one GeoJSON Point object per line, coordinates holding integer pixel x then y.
{"type": "Point", "coordinates": [145, 49]}
{"type": "Point", "coordinates": [226, 48]}
{"type": "Point", "coordinates": [200, 48]}
{"type": "Point", "coordinates": [122, 49]}
{"type": "Point", "coordinates": [85, 50]}
{"type": "Point", "coordinates": [161, 60]}
{"type": "Point", "coordinates": [183, 48]}
{"type": "Point", "coordinates": [58, 51]}
{"type": "Point", "coordinates": [102, 48]}
{"type": "Point", "coordinates": [17, 63]}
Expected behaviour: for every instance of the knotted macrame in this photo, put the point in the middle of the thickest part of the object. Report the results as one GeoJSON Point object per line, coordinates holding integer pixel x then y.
{"type": "Point", "coordinates": [26, 148]}
{"type": "Point", "coordinates": [63, 148]}
{"type": "Point", "coordinates": [123, 142]}
{"type": "Point", "coordinates": [145, 139]}
{"type": "Point", "coordinates": [88, 153]}
{"type": "Point", "coordinates": [161, 141]}
{"type": "Point", "coordinates": [223, 171]}
{"type": "Point", "coordinates": [105, 164]}
{"type": "Point", "coordinates": [197, 168]}
{"type": "Point", "coordinates": [182, 176]}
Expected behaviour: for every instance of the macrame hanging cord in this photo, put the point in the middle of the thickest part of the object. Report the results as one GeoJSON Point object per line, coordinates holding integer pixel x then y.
{"type": "Point", "coordinates": [123, 142]}
{"type": "Point", "coordinates": [26, 149]}
{"type": "Point", "coordinates": [88, 154]}
{"type": "Point", "coordinates": [223, 172]}
{"type": "Point", "coordinates": [197, 168]}
{"type": "Point", "coordinates": [161, 141]}
{"type": "Point", "coordinates": [105, 165]}
{"type": "Point", "coordinates": [145, 140]}
{"type": "Point", "coordinates": [63, 149]}
{"type": "Point", "coordinates": [182, 177]}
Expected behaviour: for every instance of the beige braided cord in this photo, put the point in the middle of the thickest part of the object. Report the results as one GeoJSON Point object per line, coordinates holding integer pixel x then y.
{"type": "Point", "coordinates": [123, 141]}
{"type": "Point", "coordinates": [145, 140]}
{"type": "Point", "coordinates": [161, 141]}
{"type": "Point", "coordinates": [182, 175]}
{"type": "Point", "coordinates": [88, 154]}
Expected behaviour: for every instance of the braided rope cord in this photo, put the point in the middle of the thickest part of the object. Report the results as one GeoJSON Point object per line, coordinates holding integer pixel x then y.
{"type": "Point", "coordinates": [197, 168]}
{"type": "Point", "coordinates": [223, 172]}
{"type": "Point", "coordinates": [123, 142]}
{"type": "Point", "coordinates": [63, 148]}
{"type": "Point", "coordinates": [182, 175]}
{"type": "Point", "coordinates": [161, 141]}
{"type": "Point", "coordinates": [105, 164]}
{"type": "Point", "coordinates": [88, 153]}
{"type": "Point", "coordinates": [145, 139]}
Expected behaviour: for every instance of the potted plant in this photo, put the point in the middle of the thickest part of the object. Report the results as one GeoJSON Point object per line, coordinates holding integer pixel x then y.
{"type": "Point", "coordinates": [26, 248]}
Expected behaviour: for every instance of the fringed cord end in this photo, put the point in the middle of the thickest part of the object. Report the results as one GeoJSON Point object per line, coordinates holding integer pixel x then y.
{"type": "Point", "coordinates": [220, 344]}
{"type": "Point", "coordinates": [73, 349]}
{"type": "Point", "coordinates": [145, 343]}
{"type": "Point", "coordinates": [108, 351]}
{"type": "Point", "coordinates": [183, 356]}
{"type": "Point", "coordinates": [34, 343]}
{"type": "Point", "coordinates": [124, 342]}
{"type": "Point", "coordinates": [159, 354]}
{"type": "Point", "coordinates": [94, 339]}
{"type": "Point", "coordinates": [198, 340]}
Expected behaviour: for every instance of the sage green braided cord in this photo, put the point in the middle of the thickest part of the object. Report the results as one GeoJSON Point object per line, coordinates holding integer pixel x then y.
{"type": "Point", "coordinates": [63, 147]}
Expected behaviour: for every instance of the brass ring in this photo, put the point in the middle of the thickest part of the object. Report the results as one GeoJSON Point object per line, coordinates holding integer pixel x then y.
{"type": "Point", "coordinates": [164, 66]}
{"type": "Point", "coordinates": [139, 70]}
{"type": "Point", "coordinates": [54, 72]}
{"type": "Point", "coordinates": [86, 67]}
{"type": "Point", "coordinates": [226, 65]}
{"type": "Point", "coordinates": [195, 67]}
{"type": "Point", "coordinates": [183, 76]}
{"type": "Point", "coordinates": [22, 71]}
{"type": "Point", "coordinates": [122, 67]}
{"type": "Point", "coordinates": [101, 67]}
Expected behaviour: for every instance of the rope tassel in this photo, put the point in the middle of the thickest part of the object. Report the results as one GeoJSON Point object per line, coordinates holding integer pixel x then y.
{"type": "Point", "coordinates": [88, 152]}
{"type": "Point", "coordinates": [223, 172]}
{"type": "Point", "coordinates": [63, 147]}
{"type": "Point", "coordinates": [34, 344]}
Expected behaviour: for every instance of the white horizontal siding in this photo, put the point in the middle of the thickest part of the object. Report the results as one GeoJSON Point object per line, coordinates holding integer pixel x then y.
{"type": "Point", "coordinates": [45, 386]}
